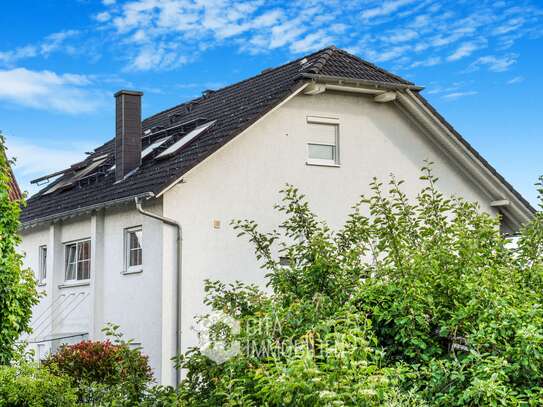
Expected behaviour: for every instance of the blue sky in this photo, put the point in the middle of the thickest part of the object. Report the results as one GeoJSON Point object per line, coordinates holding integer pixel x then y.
{"type": "Point", "coordinates": [61, 62]}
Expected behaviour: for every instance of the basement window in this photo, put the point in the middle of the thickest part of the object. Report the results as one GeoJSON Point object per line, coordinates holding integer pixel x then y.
{"type": "Point", "coordinates": [323, 141]}
{"type": "Point", "coordinates": [77, 260]}
{"type": "Point", "coordinates": [133, 250]}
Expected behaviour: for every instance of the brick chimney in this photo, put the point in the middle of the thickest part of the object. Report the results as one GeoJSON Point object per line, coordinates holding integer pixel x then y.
{"type": "Point", "coordinates": [127, 132]}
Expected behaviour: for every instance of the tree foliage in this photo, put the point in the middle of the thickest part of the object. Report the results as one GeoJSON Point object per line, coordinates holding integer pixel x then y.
{"type": "Point", "coordinates": [17, 285]}
{"type": "Point", "coordinates": [412, 302]}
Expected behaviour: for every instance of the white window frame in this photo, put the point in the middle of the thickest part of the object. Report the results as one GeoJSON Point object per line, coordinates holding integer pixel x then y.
{"type": "Point", "coordinates": [42, 266]}
{"type": "Point", "coordinates": [136, 268]}
{"type": "Point", "coordinates": [325, 121]}
{"type": "Point", "coordinates": [77, 262]}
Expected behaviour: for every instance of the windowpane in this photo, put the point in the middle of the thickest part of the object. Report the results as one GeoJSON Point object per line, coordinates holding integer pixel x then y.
{"type": "Point", "coordinates": [84, 251]}
{"type": "Point", "coordinates": [133, 248]}
{"type": "Point", "coordinates": [78, 261]}
{"type": "Point", "coordinates": [42, 273]}
{"type": "Point", "coordinates": [322, 152]}
{"type": "Point", "coordinates": [70, 261]}
{"type": "Point", "coordinates": [83, 270]}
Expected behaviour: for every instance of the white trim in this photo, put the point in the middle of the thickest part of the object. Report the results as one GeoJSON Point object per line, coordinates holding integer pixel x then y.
{"type": "Point", "coordinates": [74, 283]}
{"type": "Point", "coordinates": [322, 119]}
{"type": "Point", "coordinates": [76, 243]}
{"type": "Point", "coordinates": [321, 163]}
{"type": "Point", "coordinates": [517, 212]}
{"type": "Point", "coordinates": [287, 99]}
{"type": "Point", "coordinates": [500, 202]}
{"type": "Point", "coordinates": [325, 121]}
{"type": "Point", "coordinates": [131, 269]}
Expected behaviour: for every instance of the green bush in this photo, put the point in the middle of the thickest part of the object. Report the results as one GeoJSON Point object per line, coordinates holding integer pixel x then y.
{"type": "Point", "coordinates": [27, 385]}
{"type": "Point", "coordinates": [411, 302]}
{"type": "Point", "coordinates": [17, 285]}
{"type": "Point", "coordinates": [104, 370]}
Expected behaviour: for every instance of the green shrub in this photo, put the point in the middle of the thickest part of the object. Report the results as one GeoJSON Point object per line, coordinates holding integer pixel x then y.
{"type": "Point", "coordinates": [104, 370]}
{"type": "Point", "coordinates": [17, 285]}
{"type": "Point", "coordinates": [412, 302]}
{"type": "Point", "coordinates": [28, 385]}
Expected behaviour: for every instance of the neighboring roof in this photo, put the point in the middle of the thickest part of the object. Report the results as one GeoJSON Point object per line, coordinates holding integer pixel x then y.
{"type": "Point", "coordinates": [233, 108]}
{"type": "Point", "coordinates": [14, 190]}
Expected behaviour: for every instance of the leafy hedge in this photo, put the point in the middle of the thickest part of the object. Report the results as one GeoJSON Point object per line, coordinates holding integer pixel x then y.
{"type": "Point", "coordinates": [27, 385]}
{"type": "Point", "coordinates": [411, 302]}
{"type": "Point", "coordinates": [17, 285]}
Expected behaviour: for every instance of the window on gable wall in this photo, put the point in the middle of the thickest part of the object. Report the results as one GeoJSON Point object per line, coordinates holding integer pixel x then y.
{"type": "Point", "coordinates": [42, 268]}
{"type": "Point", "coordinates": [77, 260]}
{"type": "Point", "coordinates": [323, 141]}
{"type": "Point", "coordinates": [133, 250]}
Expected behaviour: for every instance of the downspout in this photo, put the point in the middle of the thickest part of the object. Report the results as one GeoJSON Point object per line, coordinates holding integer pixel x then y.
{"type": "Point", "coordinates": [175, 224]}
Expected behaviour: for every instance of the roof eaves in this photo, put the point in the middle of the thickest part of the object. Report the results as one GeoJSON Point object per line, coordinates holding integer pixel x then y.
{"type": "Point", "coordinates": [361, 82]}
{"type": "Point", "coordinates": [472, 149]}
{"type": "Point", "coordinates": [86, 209]}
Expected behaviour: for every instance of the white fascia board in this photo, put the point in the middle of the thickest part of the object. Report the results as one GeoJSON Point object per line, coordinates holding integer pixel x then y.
{"type": "Point", "coordinates": [210, 157]}
{"type": "Point", "coordinates": [464, 157]}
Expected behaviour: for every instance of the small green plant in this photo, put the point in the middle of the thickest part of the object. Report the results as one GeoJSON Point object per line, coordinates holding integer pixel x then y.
{"type": "Point", "coordinates": [17, 285]}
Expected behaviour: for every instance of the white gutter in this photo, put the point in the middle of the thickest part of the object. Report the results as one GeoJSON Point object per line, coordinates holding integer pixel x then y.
{"type": "Point", "coordinates": [171, 222]}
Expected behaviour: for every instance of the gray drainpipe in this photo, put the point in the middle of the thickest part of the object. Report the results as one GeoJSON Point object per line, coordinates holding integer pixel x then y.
{"type": "Point", "coordinates": [175, 224]}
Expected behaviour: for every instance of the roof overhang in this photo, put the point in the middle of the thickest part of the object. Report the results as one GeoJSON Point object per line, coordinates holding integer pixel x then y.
{"type": "Point", "coordinates": [515, 208]}
{"type": "Point", "coordinates": [83, 210]}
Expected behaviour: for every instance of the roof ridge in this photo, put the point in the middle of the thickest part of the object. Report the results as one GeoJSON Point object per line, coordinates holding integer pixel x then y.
{"type": "Point", "coordinates": [376, 67]}
{"type": "Point", "coordinates": [317, 66]}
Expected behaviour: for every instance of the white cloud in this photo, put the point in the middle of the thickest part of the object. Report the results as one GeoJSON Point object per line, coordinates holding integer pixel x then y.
{"type": "Point", "coordinates": [51, 43]}
{"type": "Point", "coordinates": [47, 90]}
{"type": "Point", "coordinates": [515, 80]}
{"type": "Point", "coordinates": [33, 160]}
{"type": "Point", "coordinates": [464, 50]}
{"type": "Point", "coordinates": [509, 26]}
{"type": "Point", "coordinates": [386, 8]}
{"type": "Point", "coordinates": [179, 30]}
{"type": "Point", "coordinates": [103, 17]}
{"type": "Point", "coordinates": [458, 95]}
{"type": "Point", "coordinates": [495, 64]}
{"type": "Point", "coordinates": [432, 61]}
{"type": "Point", "coordinates": [402, 35]}
{"type": "Point", "coordinates": [311, 42]}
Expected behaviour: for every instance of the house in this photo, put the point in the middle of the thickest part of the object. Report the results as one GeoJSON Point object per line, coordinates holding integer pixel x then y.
{"type": "Point", "coordinates": [14, 190]}
{"type": "Point", "coordinates": [129, 234]}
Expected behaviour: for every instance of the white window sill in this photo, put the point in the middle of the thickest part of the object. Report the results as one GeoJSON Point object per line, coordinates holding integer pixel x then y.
{"type": "Point", "coordinates": [322, 163]}
{"type": "Point", "coordinates": [79, 283]}
{"type": "Point", "coordinates": [133, 271]}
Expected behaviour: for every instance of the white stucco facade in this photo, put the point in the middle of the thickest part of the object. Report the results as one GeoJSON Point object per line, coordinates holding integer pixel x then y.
{"type": "Point", "coordinates": [239, 181]}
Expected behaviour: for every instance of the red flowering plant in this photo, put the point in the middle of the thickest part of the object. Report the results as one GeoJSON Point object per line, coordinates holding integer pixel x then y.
{"type": "Point", "coordinates": [112, 363]}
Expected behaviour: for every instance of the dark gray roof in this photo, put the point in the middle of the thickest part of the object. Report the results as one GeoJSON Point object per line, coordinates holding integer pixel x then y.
{"type": "Point", "coordinates": [234, 108]}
